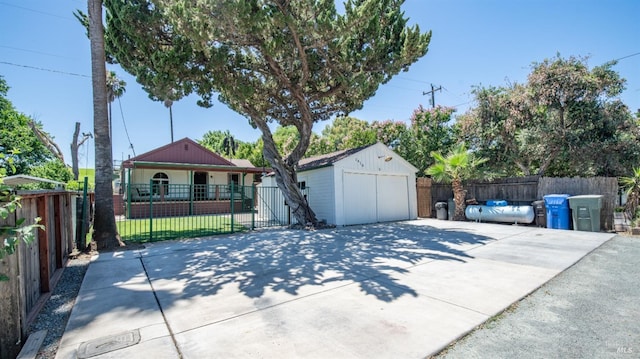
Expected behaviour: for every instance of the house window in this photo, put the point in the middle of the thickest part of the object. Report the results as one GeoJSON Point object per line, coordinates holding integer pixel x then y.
{"type": "Point", "coordinates": [302, 185]}
{"type": "Point", "coordinates": [160, 179]}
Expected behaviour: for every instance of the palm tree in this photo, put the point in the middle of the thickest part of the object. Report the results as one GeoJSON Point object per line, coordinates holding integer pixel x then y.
{"type": "Point", "coordinates": [229, 145]}
{"type": "Point", "coordinates": [105, 233]}
{"type": "Point", "coordinates": [631, 185]}
{"type": "Point", "coordinates": [457, 166]}
{"type": "Point", "coordinates": [115, 89]}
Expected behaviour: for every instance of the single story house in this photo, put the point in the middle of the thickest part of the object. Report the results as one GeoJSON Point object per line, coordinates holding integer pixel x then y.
{"type": "Point", "coordinates": [356, 186]}
{"type": "Point", "coordinates": [188, 178]}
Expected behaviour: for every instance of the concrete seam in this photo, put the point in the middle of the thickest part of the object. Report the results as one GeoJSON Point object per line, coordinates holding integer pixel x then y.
{"type": "Point", "coordinates": [173, 338]}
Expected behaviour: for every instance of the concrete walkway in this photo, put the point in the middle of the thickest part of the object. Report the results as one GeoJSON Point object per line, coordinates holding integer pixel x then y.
{"type": "Point", "coordinates": [399, 290]}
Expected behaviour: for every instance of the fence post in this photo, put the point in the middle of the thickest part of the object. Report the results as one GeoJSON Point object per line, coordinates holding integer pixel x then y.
{"type": "Point", "coordinates": [252, 207]}
{"type": "Point", "coordinates": [11, 310]}
{"type": "Point", "coordinates": [81, 229]}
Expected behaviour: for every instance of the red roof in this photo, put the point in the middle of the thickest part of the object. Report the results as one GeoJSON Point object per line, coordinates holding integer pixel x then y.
{"type": "Point", "coordinates": [184, 151]}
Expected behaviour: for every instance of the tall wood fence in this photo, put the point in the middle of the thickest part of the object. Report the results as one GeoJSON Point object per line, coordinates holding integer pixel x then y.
{"type": "Point", "coordinates": [34, 270]}
{"type": "Point", "coordinates": [524, 190]}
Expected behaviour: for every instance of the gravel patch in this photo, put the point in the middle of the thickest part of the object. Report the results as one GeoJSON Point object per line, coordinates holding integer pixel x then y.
{"type": "Point", "coordinates": [589, 311]}
{"type": "Point", "coordinates": [54, 315]}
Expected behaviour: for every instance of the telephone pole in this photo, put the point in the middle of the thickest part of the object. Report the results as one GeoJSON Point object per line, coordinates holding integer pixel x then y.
{"type": "Point", "coordinates": [433, 94]}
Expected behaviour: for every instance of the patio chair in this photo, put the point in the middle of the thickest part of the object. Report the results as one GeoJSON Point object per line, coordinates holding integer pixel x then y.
{"type": "Point", "coordinates": [142, 193]}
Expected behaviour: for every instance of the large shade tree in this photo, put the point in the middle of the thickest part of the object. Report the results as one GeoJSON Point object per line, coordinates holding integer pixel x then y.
{"type": "Point", "coordinates": [18, 140]}
{"type": "Point", "coordinates": [566, 120]}
{"type": "Point", "coordinates": [290, 62]}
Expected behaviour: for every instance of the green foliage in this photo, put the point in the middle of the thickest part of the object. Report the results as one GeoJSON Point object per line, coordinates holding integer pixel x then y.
{"type": "Point", "coordinates": [221, 142]}
{"type": "Point", "coordinates": [286, 138]}
{"type": "Point", "coordinates": [11, 235]}
{"type": "Point", "coordinates": [53, 170]}
{"type": "Point", "coordinates": [347, 132]}
{"type": "Point", "coordinates": [565, 121]}
{"type": "Point", "coordinates": [457, 165]}
{"type": "Point", "coordinates": [17, 140]}
{"type": "Point", "coordinates": [430, 130]}
{"type": "Point", "coordinates": [631, 186]}
{"type": "Point", "coordinates": [78, 185]}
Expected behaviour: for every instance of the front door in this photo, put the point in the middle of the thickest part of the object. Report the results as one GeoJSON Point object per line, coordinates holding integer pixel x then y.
{"type": "Point", "coordinates": [200, 185]}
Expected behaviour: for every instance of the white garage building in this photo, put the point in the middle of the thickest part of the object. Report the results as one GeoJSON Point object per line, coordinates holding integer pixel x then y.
{"type": "Point", "coordinates": [363, 185]}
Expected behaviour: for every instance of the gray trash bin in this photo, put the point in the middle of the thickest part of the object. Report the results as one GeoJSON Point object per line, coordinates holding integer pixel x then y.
{"type": "Point", "coordinates": [451, 208]}
{"type": "Point", "coordinates": [540, 211]}
{"type": "Point", "coordinates": [441, 210]}
{"type": "Point", "coordinates": [585, 212]}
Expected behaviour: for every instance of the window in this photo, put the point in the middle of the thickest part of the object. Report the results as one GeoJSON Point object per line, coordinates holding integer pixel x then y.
{"type": "Point", "coordinates": [302, 185]}
{"type": "Point", "coordinates": [160, 179]}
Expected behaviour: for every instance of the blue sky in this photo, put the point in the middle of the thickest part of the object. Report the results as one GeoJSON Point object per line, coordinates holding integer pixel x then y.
{"type": "Point", "coordinates": [45, 59]}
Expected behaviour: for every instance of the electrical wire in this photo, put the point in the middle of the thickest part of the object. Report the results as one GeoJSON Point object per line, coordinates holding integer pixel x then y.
{"type": "Point", "coordinates": [35, 52]}
{"type": "Point", "coordinates": [125, 127]}
{"type": "Point", "coordinates": [43, 69]}
{"type": "Point", "coordinates": [38, 11]}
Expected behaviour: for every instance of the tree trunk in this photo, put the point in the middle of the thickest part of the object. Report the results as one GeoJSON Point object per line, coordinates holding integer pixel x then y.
{"type": "Point", "coordinates": [286, 178]}
{"type": "Point", "coordinates": [104, 226]}
{"type": "Point", "coordinates": [171, 121]}
{"type": "Point", "coordinates": [458, 199]}
{"type": "Point", "coordinates": [75, 145]}
{"type": "Point", "coordinates": [74, 152]}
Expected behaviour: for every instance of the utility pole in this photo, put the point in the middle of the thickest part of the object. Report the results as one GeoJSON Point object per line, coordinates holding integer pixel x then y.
{"type": "Point", "coordinates": [433, 94]}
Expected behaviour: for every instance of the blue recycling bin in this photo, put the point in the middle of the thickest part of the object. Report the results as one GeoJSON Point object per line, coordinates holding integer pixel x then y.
{"type": "Point", "coordinates": [557, 206]}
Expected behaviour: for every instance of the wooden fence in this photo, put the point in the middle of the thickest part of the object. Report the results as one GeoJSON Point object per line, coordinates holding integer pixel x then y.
{"type": "Point", "coordinates": [34, 270]}
{"type": "Point", "coordinates": [524, 190]}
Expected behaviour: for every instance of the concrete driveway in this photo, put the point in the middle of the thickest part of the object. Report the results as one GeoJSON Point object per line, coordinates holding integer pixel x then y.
{"type": "Point", "coordinates": [397, 290]}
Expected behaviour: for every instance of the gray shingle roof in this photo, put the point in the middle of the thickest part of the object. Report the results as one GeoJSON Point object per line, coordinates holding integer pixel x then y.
{"type": "Point", "coordinates": [310, 163]}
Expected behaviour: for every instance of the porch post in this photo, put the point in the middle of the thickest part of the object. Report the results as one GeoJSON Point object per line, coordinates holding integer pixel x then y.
{"type": "Point", "coordinates": [191, 192]}
{"type": "Point", "coordinates": [128, 193]}
{"type": "Point", "coordinates": [151, 210]}
{"type": "Point", "coordinates": [231, 201]}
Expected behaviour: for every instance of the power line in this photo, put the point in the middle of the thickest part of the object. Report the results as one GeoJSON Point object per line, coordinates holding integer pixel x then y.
{"type": "Point", "coordinates": [125, 128]}
{"type": "Point", "coordinates": [43, 69]}
{"type": "Point", "coordinates": [626, 57]}
{"type": "Point", "coordinates": [37, 11]}
{"type": "Point", "coordinates": [35, 52]}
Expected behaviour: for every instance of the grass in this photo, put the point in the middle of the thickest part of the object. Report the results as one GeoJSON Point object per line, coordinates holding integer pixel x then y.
{"type": "Point", "coordinates": [144, 230]}
{"type": "Point", "coordinates": [87, 172]}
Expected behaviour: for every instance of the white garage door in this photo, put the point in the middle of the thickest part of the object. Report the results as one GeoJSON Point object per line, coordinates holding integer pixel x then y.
{"type": "Point", "coordinates": [371, 198]}
{"type": "Point", "coordinates": [393, 198]}
{"type": "Point", "coordinates": [359, 198]}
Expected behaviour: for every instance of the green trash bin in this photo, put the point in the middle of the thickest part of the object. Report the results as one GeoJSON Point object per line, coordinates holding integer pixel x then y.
{"type": "Point", "coordinates": [585, 211]}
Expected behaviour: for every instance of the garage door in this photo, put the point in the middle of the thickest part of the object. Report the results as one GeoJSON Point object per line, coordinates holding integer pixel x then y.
{"type": "Point", "coordinates": [359, 198]}
{"type": "Point", "coordinates": [371, 198]}
{"type": "Point", "coordinates": [393, 198]}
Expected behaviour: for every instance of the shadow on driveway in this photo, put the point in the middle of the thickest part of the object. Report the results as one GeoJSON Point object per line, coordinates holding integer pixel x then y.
{"type": "Point", "coordinates": [286, 260]}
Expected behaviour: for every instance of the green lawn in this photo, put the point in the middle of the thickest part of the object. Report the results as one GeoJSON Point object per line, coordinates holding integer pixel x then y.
{"type": "Point", "coordinates": [87, 172]}
{"type": "Point", "coordinates": [144, 230]}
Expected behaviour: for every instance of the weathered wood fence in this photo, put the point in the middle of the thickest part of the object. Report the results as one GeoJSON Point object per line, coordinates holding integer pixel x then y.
{"type": "Point", "coordinates": [34, 270]}
{"type": "Point", "coordinates": [524, 190]}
